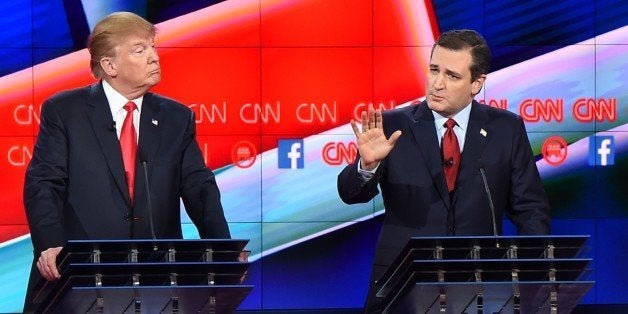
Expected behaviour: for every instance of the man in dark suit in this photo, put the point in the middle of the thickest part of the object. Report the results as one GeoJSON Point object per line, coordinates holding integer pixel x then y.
{"type": "Point", "coordinates": [84, 182]}
{"type": "Point", "coordinates": [430, 188]}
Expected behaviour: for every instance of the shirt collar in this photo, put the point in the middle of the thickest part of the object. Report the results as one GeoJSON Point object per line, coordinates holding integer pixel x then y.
{"type": "Point", "coordinates": [462, 118]}
{"type": "Point", "coordinates": [117, 100]}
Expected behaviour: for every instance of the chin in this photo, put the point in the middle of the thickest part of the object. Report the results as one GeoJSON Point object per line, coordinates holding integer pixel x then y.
{"type": "Point", "coordinates": [439, 108]}
{"type": "Point", "coordinates": [154, 81]}
{"type": "Point", "coordinates": [436, 106]}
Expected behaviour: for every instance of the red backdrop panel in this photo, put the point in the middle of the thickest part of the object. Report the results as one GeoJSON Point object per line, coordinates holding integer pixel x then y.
{"type": "Point", "coordinates": [16, 153]}
{"type": "Point", "coordinates": [217, 84]}
{"type": "Point", "coordinates": [316, 23]}
{"type": "Point", "coordinates": [317, 88]}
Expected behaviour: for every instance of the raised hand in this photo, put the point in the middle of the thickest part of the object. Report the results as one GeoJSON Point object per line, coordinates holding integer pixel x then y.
{"type": "Point", "coordinates": [372, 142]}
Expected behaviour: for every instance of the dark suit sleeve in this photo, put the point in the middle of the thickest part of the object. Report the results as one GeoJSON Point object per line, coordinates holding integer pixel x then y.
{"type": "Point", "coordinates": [199, 189]}
{"type": "Point", "coordinates": [46, 181]}
{"type": "Point", "coordinates": [351, 186]}
{"type": "Point", "coordinates": [530, 206]}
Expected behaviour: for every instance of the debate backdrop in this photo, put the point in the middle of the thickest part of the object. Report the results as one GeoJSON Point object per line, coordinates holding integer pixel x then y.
{"type": "Point", "coordinates": [274, 84]}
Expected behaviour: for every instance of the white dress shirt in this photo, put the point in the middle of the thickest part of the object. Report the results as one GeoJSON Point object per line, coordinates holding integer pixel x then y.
{"type": "Point", "coordinates": [116, 104]}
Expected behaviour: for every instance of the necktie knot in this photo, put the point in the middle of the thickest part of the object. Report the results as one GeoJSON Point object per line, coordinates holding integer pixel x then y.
{"type": "Point", "coordinates": [450, 123]}
{"type": "Point", "coordinates": [130, 106]}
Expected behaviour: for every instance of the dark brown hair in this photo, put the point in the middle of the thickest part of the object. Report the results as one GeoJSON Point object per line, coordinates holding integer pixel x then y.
{"type": "Point", "coordinates": [468, 39]}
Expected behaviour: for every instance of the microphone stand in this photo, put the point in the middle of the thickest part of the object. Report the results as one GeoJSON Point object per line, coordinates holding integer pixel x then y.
{"type": "Point", "coordinates": [490, 201]}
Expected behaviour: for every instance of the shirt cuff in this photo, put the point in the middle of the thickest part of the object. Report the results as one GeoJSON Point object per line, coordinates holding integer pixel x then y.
{"type": "Point", "coordinates": [366, 175]}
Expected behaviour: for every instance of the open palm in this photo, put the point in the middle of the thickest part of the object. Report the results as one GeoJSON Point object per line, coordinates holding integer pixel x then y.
{"type": "Point", "coordinates": [373, 145]}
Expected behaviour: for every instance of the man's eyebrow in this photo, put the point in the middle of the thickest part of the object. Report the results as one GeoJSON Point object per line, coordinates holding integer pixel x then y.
{"type": "Point", "coordinates": [454, 73]}
{"type": "Point", "coordinates": [139, 43]}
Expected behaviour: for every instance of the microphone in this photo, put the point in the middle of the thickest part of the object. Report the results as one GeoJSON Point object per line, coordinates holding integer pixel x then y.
{"type": "Point", "coordinates": [112, 127]}
{"type": "Point", "coordinates": [488, 195]}
{"type": "Point", "coordinates": [448, 162]}
{"type": "Point", "coordinates": [144, 162]}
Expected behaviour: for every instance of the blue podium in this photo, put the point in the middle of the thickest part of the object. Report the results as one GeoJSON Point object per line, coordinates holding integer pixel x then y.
{"type": "Point", "coordinates": [148, 276]}
{"type": "Point", "coordinates": [518, 274]}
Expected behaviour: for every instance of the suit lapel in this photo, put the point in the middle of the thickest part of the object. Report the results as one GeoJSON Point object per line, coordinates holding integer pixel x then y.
{"type": "Point", "coordinates": [477, 135]}
{"type": "Point", "coordinates": [424, 133]}
{"type": "Point", "coordinates": [102, 123]}
{"type": "Point", "coordinates": [149, 128]}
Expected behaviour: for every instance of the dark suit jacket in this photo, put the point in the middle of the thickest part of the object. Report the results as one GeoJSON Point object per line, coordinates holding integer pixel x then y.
{"type": "Point", "coordinates": [414, 190]}
{"type": "Point", "coordinates": [75, 186]}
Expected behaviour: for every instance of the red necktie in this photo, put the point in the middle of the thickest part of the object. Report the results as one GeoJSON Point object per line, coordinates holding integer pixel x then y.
{"type": "Point", "coordinates": [451, 154]}
{"type": "Point", "coordinates": [128, 144]}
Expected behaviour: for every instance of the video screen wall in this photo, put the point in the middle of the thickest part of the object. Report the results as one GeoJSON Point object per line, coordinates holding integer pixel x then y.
{"type": "Point", "coordinates": [274, 83]}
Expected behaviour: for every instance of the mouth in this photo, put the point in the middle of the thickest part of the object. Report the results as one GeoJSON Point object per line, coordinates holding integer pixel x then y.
{"type": "Point", "coordinates": [436, 97]}
{"type": "Point", "coordinates": [154, 72]}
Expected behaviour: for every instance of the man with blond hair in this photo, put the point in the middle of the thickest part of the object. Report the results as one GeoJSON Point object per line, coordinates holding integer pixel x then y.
{"type": "Point", "coordinates": [82, 183]}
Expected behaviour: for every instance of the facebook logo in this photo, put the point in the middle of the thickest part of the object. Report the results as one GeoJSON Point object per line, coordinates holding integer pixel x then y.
{"type": "Point", "coordinates": [290, 154]}
{"type": "Point", "coordinates": [601, 150]}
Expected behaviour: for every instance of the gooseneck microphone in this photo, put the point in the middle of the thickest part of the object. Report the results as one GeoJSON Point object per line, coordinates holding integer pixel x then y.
{"type": "Point", "coordinates": [489, 196]}
{"type": "Point", "coordinates": [149, 205]}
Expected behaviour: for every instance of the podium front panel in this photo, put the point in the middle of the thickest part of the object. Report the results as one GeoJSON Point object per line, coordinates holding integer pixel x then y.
{"type": "Point", "coordinates": [497, 297]}
{"type": "Point", "coordinates": [486, 274]}
{"type": "Point", "coordinates": [152, 299]}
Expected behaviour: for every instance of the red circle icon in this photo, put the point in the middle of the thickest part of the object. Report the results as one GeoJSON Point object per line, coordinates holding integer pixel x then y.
{"type": "Point", "coordinates": [554, 150]}
{"type": "Point", "coordinates": [243, 154]}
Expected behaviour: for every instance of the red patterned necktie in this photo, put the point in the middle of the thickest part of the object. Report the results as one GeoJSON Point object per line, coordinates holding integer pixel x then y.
{"type": "Point", "coordinates": [128, 144]}
{"type": "Point", "coordinates": [451, 154]}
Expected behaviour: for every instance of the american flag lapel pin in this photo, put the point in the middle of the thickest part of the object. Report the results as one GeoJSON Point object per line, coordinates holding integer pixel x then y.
{"type": "Point", "coordinates": [483, 132]}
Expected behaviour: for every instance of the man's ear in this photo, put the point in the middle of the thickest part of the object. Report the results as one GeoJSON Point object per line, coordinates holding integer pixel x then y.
{"type": "Point", "coordinates": [108, 66]}
{"type": "Point", "coordinates": [476, 86]}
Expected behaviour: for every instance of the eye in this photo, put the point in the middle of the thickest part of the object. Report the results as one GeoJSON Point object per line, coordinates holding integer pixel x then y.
{"type": "Point", "coordinates": [139, 49]}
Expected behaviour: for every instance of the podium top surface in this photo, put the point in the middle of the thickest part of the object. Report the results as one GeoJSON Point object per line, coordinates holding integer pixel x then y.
{"type": "Point", "coordinates": [156, 244]}
{"type": "Point", "coordinates": [171, 250]}
{"type": "Point", "coordinates": [490, 241]}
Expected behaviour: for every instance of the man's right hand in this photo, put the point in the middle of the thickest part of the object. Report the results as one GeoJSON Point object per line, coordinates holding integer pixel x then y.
{"type": "Point", "coordinates": [47, 263]}
{"type": "Point", "coordinates": [372, 143]}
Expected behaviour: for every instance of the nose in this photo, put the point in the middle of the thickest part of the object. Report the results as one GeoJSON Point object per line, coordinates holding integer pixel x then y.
{"type": "Point", "coordinates": [153, 55]}
{"type": "Point", "coordinates": [438, 82]}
